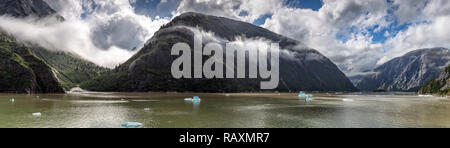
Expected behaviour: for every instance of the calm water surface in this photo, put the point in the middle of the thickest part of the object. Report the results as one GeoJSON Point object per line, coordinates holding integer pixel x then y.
{"type": "Point", "coordinates": [168, 110]}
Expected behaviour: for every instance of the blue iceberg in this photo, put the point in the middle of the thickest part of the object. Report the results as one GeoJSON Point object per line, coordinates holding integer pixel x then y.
{"type": "Point", "coordinates": [303, 95]}
{"type": "Point", "coordinates": [131, 124]}
{"type": "Point", "coordinates": [195, 99]}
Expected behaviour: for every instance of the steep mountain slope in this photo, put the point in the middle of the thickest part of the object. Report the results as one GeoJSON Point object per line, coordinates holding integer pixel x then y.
{"type": "Point", "coordinates": [408, 72]}
{"type": "Point", "coordinates": [71, 69]}
{"type": "Point", "coordinates": [440, 85]}
{"type": "Point", "coordinates": [22, 72]}
{"type": "Point", "coordinates": [150, 69]}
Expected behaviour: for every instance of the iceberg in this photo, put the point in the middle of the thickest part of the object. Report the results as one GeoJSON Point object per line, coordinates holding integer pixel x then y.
{"type": "Point", "coordinates": [195, 99]}
{"type": "Point", "coordinates": [36, 114]}
{"type": "Point", "coordinates": [303, 95]}
{"type": "Point", "coordinates": [347, 100]}
{"type": "Point", "coordinates": [131, 124]}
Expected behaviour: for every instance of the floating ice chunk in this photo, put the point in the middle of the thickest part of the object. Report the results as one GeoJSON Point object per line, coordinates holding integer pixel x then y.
{"type": "Point", "coordinates": [12, 100]}
{"type": "Point", "coordinates": [425, 95]}
{"type": "Point", "coordinates": [303, 95]}
{"type": "Point", "coordinates": [227, 95]}
{"type": "Point", "coordinates": [36, 114]}
{"type": "Point", "coordinates": [309, 99]}
{"type": "Point", "coordinates": [131, 124]}
{"type": "Point", "coordinates": [348, 100]}
{"type": "Point", "coordinates": [195, 99]}
{"type": "Point", "coordinates": [147, 109]}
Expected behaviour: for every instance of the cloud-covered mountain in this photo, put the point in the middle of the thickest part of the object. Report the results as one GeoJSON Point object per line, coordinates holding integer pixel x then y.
{"type": "Point", "coordinates": [408, 72]}
{"type": "Point", "coordinates": [301, 68]}
{"type": "Point", "coordinates": [70, 68]}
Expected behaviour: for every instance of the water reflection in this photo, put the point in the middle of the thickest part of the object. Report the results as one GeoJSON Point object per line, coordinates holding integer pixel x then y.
{"type": "Point", "coordinates": [219, 110]}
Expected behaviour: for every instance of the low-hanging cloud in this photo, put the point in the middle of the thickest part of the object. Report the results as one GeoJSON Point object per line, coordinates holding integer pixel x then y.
{"type": "Point", "coordinates": [101, 31]}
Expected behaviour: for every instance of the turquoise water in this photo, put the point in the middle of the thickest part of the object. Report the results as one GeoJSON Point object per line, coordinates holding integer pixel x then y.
{"type": "Point", "coordinates": [170, 110]}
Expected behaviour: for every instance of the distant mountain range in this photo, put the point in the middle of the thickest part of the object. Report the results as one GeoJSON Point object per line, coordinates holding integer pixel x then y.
{"type": "Point", "coordinates": [408, 72]}
{"type": "Point", "coordinates": [149, 70]}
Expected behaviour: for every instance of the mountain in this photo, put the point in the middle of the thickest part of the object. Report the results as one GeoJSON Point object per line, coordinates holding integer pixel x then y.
{"type": "Point", "coordinates": [22, 72]}
{"type": "Point", "coordinates": [70, 68]}
{"type": "Point", "coordinates": [408, 72]}
{"type": "Point", "coordinates": [24, 8]}
{"type": "Point", "coordinates": [440, 85]}
{"type": "Point", "coordinates": [150, 69]}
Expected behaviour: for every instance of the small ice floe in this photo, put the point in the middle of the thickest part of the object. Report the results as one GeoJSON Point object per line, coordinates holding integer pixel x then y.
{"type": "Point", "coordinates": [227, 95]}
{"type": "Point", "coordinates": [195, 99]}
{"type": "Point", "coordinates": [131, 124]}
{"type": "Point", "coordinates": [425, 95]}
{"type": "Point", "coordinates": [308, 97]}
{"type": "Point", "coordinates": [348, 100]}
{"type": "Point", "coordinates": [36, 114]}
{"type": "Point", "coordinates": [303, 95]}
{"type": "Point", "coordinates": [12, 100]}
{"type": "Point", "coordinates": [147, 109]}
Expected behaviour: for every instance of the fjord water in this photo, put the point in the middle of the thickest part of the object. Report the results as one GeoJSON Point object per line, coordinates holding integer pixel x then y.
{"type": "Point", "coordinates": [170, 110]}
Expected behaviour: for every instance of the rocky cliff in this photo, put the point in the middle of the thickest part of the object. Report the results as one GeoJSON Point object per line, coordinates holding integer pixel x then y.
{"type": "Point", "coordinates": [408, 72]}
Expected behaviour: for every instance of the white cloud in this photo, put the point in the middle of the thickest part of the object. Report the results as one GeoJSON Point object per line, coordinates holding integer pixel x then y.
{"type": "Point", "coordinates": [102, 31]}
{"type": "Point", "coordinates": [338, 30]}
{"type": "Point", "coordinates": [244, 10]}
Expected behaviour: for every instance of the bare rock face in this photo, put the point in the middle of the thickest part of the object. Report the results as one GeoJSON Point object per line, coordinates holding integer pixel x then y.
{"type": "Point", "coordinates": [407, 73]}
{"type": "Point", "coordinates": [150, 69]}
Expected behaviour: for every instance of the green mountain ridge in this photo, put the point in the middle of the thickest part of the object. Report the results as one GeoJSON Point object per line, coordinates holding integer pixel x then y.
{"type": "Point", "coordinates": [21, 71]}
{"type": "Point", "coordinates": [71, 69]}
